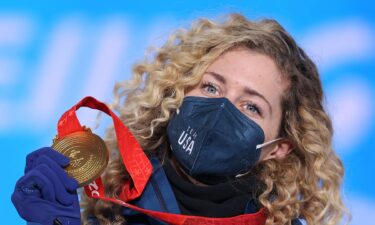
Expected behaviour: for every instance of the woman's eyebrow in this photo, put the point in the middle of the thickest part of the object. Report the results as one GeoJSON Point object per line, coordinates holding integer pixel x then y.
{"type": "Point", "coordinates": [217, 76]}
{"type": "Point", "coordinates": [247, 90]}
{"type": "Point", "coordinates": [250, 91]}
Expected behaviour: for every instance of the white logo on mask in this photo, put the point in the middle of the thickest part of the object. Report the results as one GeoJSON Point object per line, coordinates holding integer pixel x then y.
{"type": "Point", "coordinates": [186, 140]}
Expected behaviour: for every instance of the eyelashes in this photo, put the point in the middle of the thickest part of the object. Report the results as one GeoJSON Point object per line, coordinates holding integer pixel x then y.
{"type": "Point", "coordinates": [254, 108]}
{"type": "Point", "coordinates": [209, 87]}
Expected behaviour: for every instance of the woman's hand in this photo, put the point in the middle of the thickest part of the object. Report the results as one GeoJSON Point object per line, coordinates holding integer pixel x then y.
{"type": "Point", "coordinates": [46, 194]}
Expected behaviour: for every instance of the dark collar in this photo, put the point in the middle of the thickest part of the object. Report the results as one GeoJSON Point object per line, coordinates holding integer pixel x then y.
{"type": "Point", "coordinates": [220, 200]}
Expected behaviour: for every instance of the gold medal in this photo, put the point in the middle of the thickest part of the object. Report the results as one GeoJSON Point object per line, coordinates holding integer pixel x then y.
{"type": "Point", "coordinates": [87, 152]}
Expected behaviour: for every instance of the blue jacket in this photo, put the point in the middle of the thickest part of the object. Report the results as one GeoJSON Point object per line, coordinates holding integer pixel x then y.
{"type": "Point", "coordinates": [158, 196]}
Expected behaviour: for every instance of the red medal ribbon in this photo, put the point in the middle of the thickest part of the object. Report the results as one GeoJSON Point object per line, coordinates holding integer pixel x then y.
{"type": "Point", "coordinates": [140, 169]}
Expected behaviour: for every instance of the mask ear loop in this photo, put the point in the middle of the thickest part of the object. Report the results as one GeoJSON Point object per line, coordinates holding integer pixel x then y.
{"type": "Point", "coordinates": [259, 147]}
{"type": "Point", "coordinates": [267, 143]}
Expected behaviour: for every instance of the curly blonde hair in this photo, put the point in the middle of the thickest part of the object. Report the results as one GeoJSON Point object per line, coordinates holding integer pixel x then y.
{"type": "Point", "coordinates": [305, 184]}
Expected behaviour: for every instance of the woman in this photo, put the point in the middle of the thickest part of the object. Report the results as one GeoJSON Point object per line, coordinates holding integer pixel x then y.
{"type": "Point", "coordinates": [232, 112]}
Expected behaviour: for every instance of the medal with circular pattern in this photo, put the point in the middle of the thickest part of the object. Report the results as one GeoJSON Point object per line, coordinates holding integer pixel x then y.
{"type": "Point", "coordinates": [88, 155]}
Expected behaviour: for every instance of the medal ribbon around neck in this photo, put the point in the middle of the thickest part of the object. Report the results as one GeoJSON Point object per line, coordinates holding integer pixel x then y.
{"type": "Point", "coordinates": [139, 168]}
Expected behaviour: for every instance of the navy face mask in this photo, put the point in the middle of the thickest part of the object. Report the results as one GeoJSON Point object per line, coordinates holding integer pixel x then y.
{"type": "Point", "coordinates": [212, 140]}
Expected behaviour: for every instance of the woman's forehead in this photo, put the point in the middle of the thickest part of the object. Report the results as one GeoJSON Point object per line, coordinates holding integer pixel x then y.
{"type": "Point", "coordinates": [242, 67]}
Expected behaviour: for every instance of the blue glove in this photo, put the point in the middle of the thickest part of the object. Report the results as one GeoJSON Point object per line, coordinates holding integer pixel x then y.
{"type": "Point", "coordinates": [46, 194]}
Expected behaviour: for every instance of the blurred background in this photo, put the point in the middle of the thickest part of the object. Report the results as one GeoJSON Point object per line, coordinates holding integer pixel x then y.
{"type": "Point", "coordinates": [52, 54]}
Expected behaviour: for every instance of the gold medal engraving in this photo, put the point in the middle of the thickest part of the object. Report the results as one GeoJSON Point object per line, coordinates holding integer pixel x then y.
{"type": "Point", "coordinates": [88, 155]}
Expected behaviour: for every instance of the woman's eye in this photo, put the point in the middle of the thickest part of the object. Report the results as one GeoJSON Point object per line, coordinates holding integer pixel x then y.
{"type": "Point", "coordinates": [253, 108]}
{"type": "Point", "coordinates": [210, 88]}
